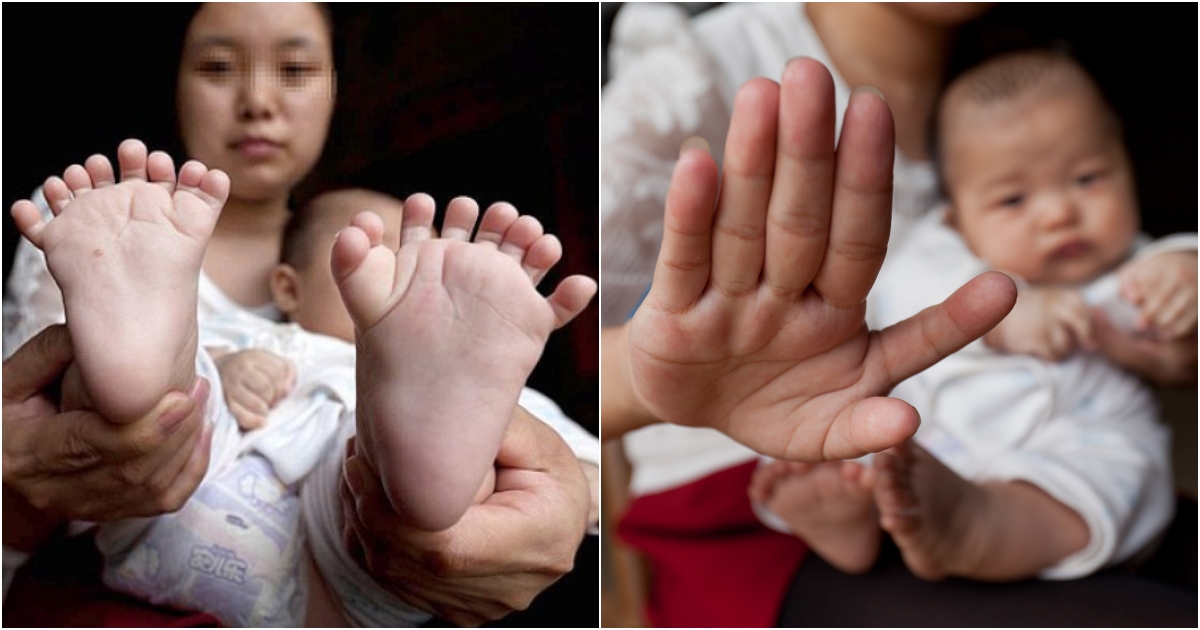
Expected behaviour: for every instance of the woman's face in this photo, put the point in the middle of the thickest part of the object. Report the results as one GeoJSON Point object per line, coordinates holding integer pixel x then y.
{"type": "Point", "coordinates": [256, 92]}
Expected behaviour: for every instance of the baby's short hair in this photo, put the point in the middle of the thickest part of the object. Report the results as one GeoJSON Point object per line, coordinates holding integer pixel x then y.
{"type": "Point", "coordinates": [1006, 77]}
{"type": "Point", "coordinates": [318, 217]}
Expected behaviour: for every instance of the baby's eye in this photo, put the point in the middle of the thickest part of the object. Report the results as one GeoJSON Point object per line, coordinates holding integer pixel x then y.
{"type": "Point", "coordinates": [1012, 201]}
{"type": "Point", "coordinates": [1089, 178]}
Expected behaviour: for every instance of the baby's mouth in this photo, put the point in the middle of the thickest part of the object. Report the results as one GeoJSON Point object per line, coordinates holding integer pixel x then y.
{"type": "Point", "coordinates": [1072, 249]}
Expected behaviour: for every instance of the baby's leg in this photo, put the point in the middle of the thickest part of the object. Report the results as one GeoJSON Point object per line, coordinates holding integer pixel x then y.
{"type": "Point", "coordinates": [448, 331]}
{"type": "Point", "coordinates": [948, 526]}
{"type": "Point", "coordinates": [829, 505]}
{"type": "Point", "coordinates": [127, 257]}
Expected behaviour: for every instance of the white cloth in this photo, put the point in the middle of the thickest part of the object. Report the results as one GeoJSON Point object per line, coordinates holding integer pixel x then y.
{"type": "Point", "coordinates": [675, 77]}
{"type": "Point", "coordinates": [235, 549]}
{"type": "Point", "coordinates": [1083, 430]}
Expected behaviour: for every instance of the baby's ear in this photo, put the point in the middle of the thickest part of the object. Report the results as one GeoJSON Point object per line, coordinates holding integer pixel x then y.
{"type": "Point", "coordinates": [285, 288]}
{"type": "Point", "coordinates": [950, 216]}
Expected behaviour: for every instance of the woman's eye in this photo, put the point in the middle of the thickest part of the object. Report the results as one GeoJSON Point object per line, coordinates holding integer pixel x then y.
{"type": "Point", "coordinates": [293, 73]}
{"type": "Point", "coordinates": [215, 68]}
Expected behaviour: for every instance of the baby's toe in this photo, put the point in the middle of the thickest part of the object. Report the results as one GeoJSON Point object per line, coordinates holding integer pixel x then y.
{"type": "Point", "coordinates": [100, 170]}
{"type": "Point", "coordinates": [77, 179]}
{"type": "Point", "coordinates": [461, 215]}
{"type": "Point", "coordinates": [160, 169]}
{"type": "Point", "coordinates": [520, 236]}
{"type": "Point", "coordinates": [131, 156]}
{"type": "Point", "coordinates": [28, 219]}
{"type": "Point", "coordinates": [58, 194]}
{"type": "Point", "coordinates": [496, 221]}
{"type": "Point", "coordinates": [417, 223]}
{"type": "Point", "coordinates": [545, 252]}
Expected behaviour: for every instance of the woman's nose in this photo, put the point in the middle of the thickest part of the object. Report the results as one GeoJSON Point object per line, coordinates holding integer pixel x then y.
{"type": "Point", "coordinates": [257, 94]}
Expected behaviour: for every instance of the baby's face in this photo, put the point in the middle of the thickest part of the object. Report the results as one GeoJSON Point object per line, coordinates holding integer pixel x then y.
{"type": "Point", "coordinates": [1040, 185]}
{"type": "Point", "coordinates": [319, 306]}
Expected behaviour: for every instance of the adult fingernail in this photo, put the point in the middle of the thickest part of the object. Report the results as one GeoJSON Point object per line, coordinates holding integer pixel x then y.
{"type": "Point", "coordinates": [352, 480]}
{"type": "Point", "coordinates": [200, 391]}
{"type": "Point", "coordinates": [867, 89]}
{"type": "Point", "coordinates": [175, 415]}
{"type": "Point", "coordinates": [694, 142]}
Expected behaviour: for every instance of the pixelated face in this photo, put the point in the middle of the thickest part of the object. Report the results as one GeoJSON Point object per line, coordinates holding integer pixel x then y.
{"type": "Point", "coordinates": [256, 93]}
{"type": "Point", "coordinates": [320, 307]}
{"type": "Point", "coordinates": [1040, 185]}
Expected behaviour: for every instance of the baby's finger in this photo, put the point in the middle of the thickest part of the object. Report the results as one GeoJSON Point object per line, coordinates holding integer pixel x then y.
{"type": "Point", "coordinates": [1059, 343]}
{"type": "Point", "coordinates": [1177, 318]}
{"type": "Point", "coordinates": [1131, 284]}
{"type": "Point", "coordinates": [1151, 311]}
{"type": "Point", "coordinates": [1076, 316]}
{"type": "Point", "coordinates": [245, 418]}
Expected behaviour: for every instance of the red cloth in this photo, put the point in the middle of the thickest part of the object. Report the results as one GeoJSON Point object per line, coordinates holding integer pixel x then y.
{"type": "Point", "coordinates": [60, 588]}
{"type": "Point", "coordinates": [713, 564]}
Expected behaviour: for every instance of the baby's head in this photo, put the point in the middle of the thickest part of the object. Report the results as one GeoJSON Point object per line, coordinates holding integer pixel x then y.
{"type": "Point", "coordinates": [302, 284]}
{"type": "Point", "coordinates": [1035, 169]}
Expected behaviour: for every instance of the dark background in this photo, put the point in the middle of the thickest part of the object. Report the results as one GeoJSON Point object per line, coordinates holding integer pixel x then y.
{"type": "Point", "coordinates": [497, 102]}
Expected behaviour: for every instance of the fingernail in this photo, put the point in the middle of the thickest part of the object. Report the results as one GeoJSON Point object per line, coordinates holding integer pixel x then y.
{"type": "Point", "coordinates": [175, 415]}
{"type": "Point", "coordinates": [867, 89]}
{"type": "Point", "coordinates": [352, 480]}
{"type": "Point", "coordinates": [694, 142]}
{"type": "Point", "coordinates": [200, 390]}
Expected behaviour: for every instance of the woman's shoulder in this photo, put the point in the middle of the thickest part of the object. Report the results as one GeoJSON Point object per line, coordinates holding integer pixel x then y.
{"type": "Point", "coordinates": [740, 40]}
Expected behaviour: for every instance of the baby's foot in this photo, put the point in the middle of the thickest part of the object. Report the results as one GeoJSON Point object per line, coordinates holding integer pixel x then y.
{"type": "Point", "coordinates": [448, 331]}
{"type": "Point", "coordinates": [930, 511]}
{"type": "Point", "coordinates": [127, 257]}
{"type": "Point", "coordinates": [829, 505]}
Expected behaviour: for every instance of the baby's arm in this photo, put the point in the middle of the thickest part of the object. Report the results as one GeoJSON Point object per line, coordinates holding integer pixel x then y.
{"type": "Point", "coordinates": [1163, 287]}
{"type": "Point", "coordinates": [1047, 322]}
{"type": "Point", "coordinates": [253, 380]}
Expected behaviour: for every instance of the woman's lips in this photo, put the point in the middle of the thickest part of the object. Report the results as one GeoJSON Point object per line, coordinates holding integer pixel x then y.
{"type": "Point", "coordinates": [257, 148]}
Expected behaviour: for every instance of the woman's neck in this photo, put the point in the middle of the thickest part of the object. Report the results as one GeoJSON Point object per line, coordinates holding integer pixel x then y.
{"type": "Point", "coordinates": [245, 248]}
{"type": "Point", "coordinates": [874, 44]}
{"type": "Point", "coordinates": [251, 219]}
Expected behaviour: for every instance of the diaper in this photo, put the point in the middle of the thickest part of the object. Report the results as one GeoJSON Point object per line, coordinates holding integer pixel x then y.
{"type": "Point", "coordinates": [233, 551]}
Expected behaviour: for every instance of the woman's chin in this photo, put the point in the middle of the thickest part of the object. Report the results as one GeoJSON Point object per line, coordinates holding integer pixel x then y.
{"type": "Point", "coordinates": [256, 187]}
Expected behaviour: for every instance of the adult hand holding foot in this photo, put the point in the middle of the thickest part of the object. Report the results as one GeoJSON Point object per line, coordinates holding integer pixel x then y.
{"type": "Point", "coordinates": [78, 465]}
{"type": "Point", "coordinates": [754, 324]}
{"type": "Point", "coordinates": [500, 555]}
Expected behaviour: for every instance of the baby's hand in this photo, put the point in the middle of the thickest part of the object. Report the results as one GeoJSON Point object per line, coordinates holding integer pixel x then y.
{"type": "Point", "coordinates": [1048, 323]}
{"type": "Point", "coordinates": [254, 380]}
{"type": "Point", "coordinates": [1163, 287]}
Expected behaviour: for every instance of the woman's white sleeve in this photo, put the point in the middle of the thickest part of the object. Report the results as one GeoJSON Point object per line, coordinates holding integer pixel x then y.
{"type": "Point", "coordinates": [664, 90]}
{"type": "Point", "coordinates": [32, 299]}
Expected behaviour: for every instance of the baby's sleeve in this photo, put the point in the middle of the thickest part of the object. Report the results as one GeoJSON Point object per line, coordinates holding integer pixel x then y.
{"type": "Point", "coordinates": [584, 445]}
{"type": "Point", "coordinates": [32, 299]}
{"type": "Point", "coordinates": [1108, 459]}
